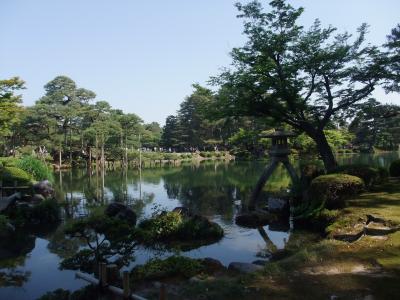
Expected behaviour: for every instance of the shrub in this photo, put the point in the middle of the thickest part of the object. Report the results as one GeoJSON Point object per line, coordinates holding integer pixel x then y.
{"type": "Point", "coordinates": [167, 268]}
{"type": "Point", "coordinates": [35, 167]}
{"type": "Point", "coordinates": [8, 161]}
{"type": "Point", "coordinates": [9, 175]}
{"type": "Point", "coordinates": [331, 190]}
{"type": "Point", "coordinates": [162, 226]}
{"type": "Point", "coordinates": [368, 174]}
{"type": "Point", "coordinates": [172, 226]}
{"type": "Point", "coordinates": [394, 169]}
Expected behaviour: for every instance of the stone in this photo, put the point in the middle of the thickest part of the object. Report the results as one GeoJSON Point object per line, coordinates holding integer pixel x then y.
{"type": "Point", "coordinates": [278, 205]}
{"type": "Point", "coordinates": [44, 188]}
{"type": "Point", "coordinates": [6, 202]}
{"type": "Point", "coordinates": [122, 212]}
{"type": "Point", "coordinates": [37, 198]}
{"type": "Point", "coordinates": [212, 265]}
{"type": "Point", "coordinates": [244, 267]}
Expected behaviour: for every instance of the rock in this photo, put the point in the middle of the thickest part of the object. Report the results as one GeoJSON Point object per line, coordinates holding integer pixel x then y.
{"type": "Point", "coordinates": [122, 212]}
{"type": "Point", "coordinates": [44, 188]}
{"type": "Point", "coordinates": [183, 211]}
{"type": "Point", "coordinates": [6, 202]}
{"type": "Point", "coordinates": [278, 205]}
{"type": "Point", "coordinates": [254, 219]}
{"type": "Point", "coordinates": [37, 198]}
{"type": "Point", "coordinates": [244, 267]}
{"type": "Point", "coordinates": [212, 265]}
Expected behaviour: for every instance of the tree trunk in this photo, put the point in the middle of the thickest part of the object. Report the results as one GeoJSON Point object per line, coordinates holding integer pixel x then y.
{"type": "Point", "coordinates": [324, 149]}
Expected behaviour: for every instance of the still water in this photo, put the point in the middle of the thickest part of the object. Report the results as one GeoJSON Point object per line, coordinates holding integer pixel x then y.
{"type": "Point", "coordinates": [29, 264]}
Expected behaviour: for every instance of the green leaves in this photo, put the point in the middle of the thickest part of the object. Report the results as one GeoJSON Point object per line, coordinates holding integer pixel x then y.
{"type": "Point", "coordinates": [10, 110]}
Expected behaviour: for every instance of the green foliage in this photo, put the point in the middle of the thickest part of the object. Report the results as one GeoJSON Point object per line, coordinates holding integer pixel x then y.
{"type": "Point", "coordinates": [332, 190]}
{"type": "Point", "coordinates": [172, 266]}
{"type": "Point", "coordinates": [298, 76]}
{"type": "Point", "coordinates": [10, 109]}
{"type": "Point", "coordinates": [85, 293]}
{"type": "Point", "coordinates": [8, 161]}
{"type": "Point", "coordinates": [394, 169]}
{"type": "Point", "coordinates": [368, 174]}
{"type": "Point", "coordinates": [161, 227]}
{"type": "Point", "coordinates": [172, 226]}
{"type": "Point", "coordinates": [35, 167]}
{"type": "Point", "coordinates": [9, 175]}
{"type": "Point", "coordinates": [105, 237]}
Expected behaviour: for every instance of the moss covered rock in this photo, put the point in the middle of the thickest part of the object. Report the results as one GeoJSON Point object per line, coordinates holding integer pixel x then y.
{"type": "Point", "coordinates": [394, 169]}
{"type": "Point", "coordinates": [330, 191]}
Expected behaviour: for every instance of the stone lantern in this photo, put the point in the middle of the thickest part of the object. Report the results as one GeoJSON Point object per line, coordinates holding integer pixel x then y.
{"type": "Point", "coordinates": [278, 152]}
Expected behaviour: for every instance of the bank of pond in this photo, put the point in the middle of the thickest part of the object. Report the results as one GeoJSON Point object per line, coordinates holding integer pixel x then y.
{"type": "Point", "coordinates": [175, 223]}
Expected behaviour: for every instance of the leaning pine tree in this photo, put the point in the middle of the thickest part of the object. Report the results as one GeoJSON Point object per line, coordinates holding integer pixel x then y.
{"type": "Point", "coordinates": [299, 77]}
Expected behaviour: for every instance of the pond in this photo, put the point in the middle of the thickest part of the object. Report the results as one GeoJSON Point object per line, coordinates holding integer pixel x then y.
{"type": "Point", "coordinates": [29, 264]}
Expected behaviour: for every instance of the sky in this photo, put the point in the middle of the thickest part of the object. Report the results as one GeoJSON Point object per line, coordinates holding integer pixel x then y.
{"type": "Point", "coordinates": [143, 56]}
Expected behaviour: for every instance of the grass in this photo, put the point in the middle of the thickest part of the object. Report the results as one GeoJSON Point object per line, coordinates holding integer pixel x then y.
{"type": "Point", "coordinates": [320, 269]}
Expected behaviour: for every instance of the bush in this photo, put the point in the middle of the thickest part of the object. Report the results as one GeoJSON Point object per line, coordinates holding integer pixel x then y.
{"type": "Point", "coordinates": [9, 175]}
{"type": "Point", "coordinates": [35, 167]}
{"type": "Point", "coordinates": [172, 226]}
{"type": "Point", "coordinates": [167, 268]}
{"type": "Point", "coordinates": [394, 169]}
{"type": "Point", "coordinates": [330, 191]}
{"type": "Point", "coordinates": [8, 161]}
{"type": "Point", "coordinates": [368, 174]}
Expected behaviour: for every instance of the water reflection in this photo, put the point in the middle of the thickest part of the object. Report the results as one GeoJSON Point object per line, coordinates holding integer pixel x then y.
{"type": "Point", "coordinates": [29, 264]}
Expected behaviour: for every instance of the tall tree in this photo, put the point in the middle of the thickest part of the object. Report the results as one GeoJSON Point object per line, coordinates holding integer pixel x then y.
{"type": "Point", "coordinates": [9, 104]}
{"type": "Point", "coordinates": [299, 77]}
{"type": "Point", "coordinates": [392, 83]}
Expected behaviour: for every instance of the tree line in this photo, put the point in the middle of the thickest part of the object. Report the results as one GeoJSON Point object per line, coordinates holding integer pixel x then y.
{"type": "Point", "coordinates": [314, 81]}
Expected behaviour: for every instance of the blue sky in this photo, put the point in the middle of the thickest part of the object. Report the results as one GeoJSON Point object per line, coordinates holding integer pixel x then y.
{"type": "Point", "coordinates": [143, 56]}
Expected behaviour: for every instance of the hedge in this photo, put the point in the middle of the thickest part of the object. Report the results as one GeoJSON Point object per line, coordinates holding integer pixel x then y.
{"type": "Point", "coordinates": [331, 191]}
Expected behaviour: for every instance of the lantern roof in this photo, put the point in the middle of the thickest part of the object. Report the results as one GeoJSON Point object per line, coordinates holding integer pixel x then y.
{"type": "Point", "coordinates": [279, 132]}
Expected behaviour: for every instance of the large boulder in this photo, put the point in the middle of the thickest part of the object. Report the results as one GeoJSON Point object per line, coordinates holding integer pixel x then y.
{"type": "Point", "coordinates": [43, 188]}
{"type": "Point", "coordinates": [122, 212]}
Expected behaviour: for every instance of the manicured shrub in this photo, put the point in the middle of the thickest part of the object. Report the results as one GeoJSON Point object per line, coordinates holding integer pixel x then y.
{"type": "Point", "coordinates": [35, 167]}
{"type": "Point", "coordinates": [394, 169]}
{"type": "Point", "coordinates": [170, 267]}
{"type": "Point", "coordinates": [331, 191]}
{"type": "Point", "coordinates": [368, 174]}
{"type": "Point", "coordinates": [9, 175]}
